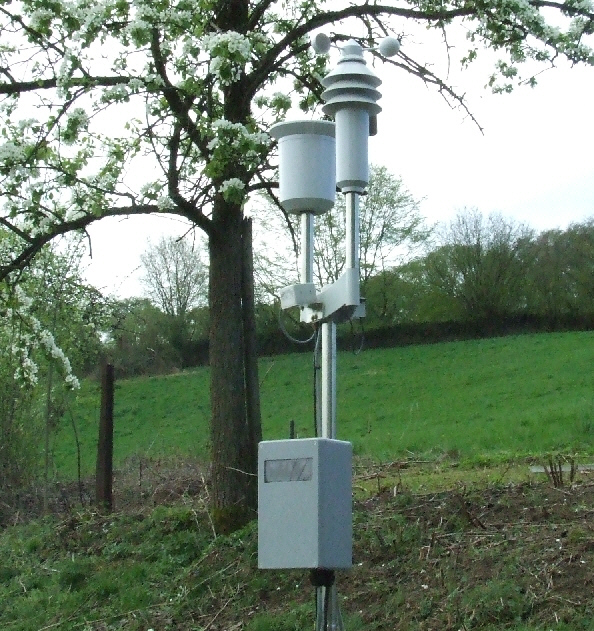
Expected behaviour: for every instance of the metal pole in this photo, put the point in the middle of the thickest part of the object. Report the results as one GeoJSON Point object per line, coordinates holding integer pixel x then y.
{"type": "Point", "coordinates": [334, 621]}
{"type": "Point", "coordinates": [327, 597]}
{"type": "Point", "coordinates": [307, 247]}
{"type": "Point", "coordinates": [352, 229]}
{"type": "Point", "coordinates": [328, 616]}
{"type": "Point", "coordinates": [329, 380]}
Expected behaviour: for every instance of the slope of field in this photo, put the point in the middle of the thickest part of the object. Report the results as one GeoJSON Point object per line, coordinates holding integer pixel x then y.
{"type": "Point", "coordinates": [513, 557]}
{"type": "Point", "coordinates": [458, 550]}
{"type": "Point", "coordinates": [474, 400]}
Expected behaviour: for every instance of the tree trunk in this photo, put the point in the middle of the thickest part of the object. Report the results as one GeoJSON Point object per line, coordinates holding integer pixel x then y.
{"type": "Point", "coordinates": [234, 430]}
{"type": "Point", "coordinates": [234, 448]}
{"type": "Point", "coordinates": [252, 384]}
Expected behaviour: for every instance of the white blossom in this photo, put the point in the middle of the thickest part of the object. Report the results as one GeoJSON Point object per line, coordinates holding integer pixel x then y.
{"type": "Point", "coordinates": [32, 335]}
{"type": "Point", "coordinates": [229, 52]}
{"type": "Point", "coordinates": [230, 41]}
{"type": "Point", "coordinates": [11, 152]}
{"type": "Point", "coordinates": [39, 17]}
{"type": "Point", "coordinates": [232, 189]}
{"type": "Point", "coordinates": [164, 203]}
{"type": "Point", "coordinates": [233, 182]}
{"type": "Point", "coordinates": [136, 84]}
{"type": "Point", "coordinates": [23, 299]}
{"type": "Point", "coordinates": [116, 93]}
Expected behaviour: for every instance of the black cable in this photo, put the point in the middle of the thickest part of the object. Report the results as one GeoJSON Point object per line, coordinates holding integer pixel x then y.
{"type": "Point", "coordinates": [316, 368]}
{"type": "Point", "coordinates": [288, 335]}
{"type": "Point", "coordinates": [362, 343]}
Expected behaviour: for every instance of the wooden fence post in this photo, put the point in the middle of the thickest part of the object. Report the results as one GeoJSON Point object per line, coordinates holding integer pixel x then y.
{"type": "Point", "coordinates": [104, 470]}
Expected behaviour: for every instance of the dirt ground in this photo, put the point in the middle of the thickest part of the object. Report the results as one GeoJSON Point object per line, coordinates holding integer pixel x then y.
{"type": "Point", "coordinates": [508, 556]}
{"type": "Point", "coordinates": [517, 555]}
{"type": "Point", "coordinates": [514, 556]}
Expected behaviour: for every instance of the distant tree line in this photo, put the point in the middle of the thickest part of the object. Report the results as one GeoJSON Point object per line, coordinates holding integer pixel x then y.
{"type": "Point", "coordinates": [489, 270]}
{"type": "Point", "coordinates": [476, 276]}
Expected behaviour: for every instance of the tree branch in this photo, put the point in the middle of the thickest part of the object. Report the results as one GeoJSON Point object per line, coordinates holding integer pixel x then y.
{"type": "Point", "coordinates": [20, 87]}
{"type": "Point", "coordinates": [35, 244]}
{"type": "Point", "coordinates": [268, 62]}
{"type": "Point", "coordinates": [17, 231]}
{"type": "Point", "coordinates": [179, 108]}
{"type": "Point", "coordinates": [257, 13]}
{"type": "Point", "coordinates": [430, 78]}
{"type": "Point", "coordinates": [192, 211]}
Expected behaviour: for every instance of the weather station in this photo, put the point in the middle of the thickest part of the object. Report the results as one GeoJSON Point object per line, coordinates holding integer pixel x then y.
{"type": "Point", "coordinates": [304, 485]}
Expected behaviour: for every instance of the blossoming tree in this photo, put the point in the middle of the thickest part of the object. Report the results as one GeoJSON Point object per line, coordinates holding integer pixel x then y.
{"type": "Point", "coordinates": [118, 107]}
{"type": "Point", "coordinates": [50, 322]}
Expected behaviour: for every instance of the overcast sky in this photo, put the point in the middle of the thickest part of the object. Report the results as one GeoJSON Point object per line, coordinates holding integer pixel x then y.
{"type": "Point", "coordinates": [533, 162]}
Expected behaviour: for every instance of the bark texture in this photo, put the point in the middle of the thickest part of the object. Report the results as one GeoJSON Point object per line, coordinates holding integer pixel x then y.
{"type": "Point", "coordinates": [234, 446]}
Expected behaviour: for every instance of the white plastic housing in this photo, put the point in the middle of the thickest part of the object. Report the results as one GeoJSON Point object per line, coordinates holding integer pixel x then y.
{"type": "Point", "coordinates": [340, 299]}
{"type": "Point", "coordinates": [352, 159]}
{"type": "Point", "coordinates": [304, 504]}
{"type": "Point", "coordinates": [351, 97]}
{"type": "Point", "coordinates": [300, 295]}
{"type": "Point", "coordinates": [307, 165]}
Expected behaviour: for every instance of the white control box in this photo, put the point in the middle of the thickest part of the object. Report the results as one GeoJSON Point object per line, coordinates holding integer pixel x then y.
{"type": "Point", "coordinates": [305, 504]}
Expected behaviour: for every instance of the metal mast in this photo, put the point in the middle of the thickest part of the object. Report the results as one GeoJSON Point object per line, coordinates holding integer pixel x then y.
{"type": "Point", "coordinates": [316, 157]}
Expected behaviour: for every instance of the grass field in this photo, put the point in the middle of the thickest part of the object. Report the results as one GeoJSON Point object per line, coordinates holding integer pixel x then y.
{"type": "Point", "coordinates": [436, 545]}
{"type": "Point", "coordinates": [513, 558]}
{"type": "Point", "coordinates": [483, 400]}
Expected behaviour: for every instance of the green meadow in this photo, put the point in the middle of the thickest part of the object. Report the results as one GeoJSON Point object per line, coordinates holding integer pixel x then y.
{"type": "Point", "coordinates": [474, 401]}
{"type": "Point", "coordinates": [506, 554]}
